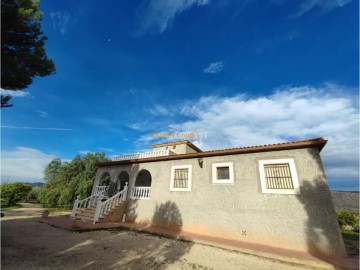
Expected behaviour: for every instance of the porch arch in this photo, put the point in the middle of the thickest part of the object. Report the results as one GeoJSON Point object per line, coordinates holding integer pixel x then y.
{"type": "Point", "coordinates": [121, 180]}
{"type": "Point", "coordinates": [143, 179]}
{"type": "Point", "coordinates": [105, 179]}
{"type": "Point", "coordinates": [142, 185]}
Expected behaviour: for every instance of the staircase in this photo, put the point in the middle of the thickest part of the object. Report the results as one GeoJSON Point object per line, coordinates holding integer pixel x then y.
{"type": "Point", "coordinates": [95, 209]}
{"type": "Point", "coordinates": [114, 215]}
{"type": "Point", "coordinates": [86, 214]}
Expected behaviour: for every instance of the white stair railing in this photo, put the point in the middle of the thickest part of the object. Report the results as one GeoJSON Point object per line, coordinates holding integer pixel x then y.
{"type": "Point", "coordinates": [87, 202]}
{"type": "Point", "coordinates": [106, 206]}
{"type": "Point", "coordinates": [140, 192]}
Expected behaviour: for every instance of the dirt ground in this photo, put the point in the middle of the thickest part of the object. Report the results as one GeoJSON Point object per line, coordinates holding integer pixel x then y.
{"type": "Point", "coordinates": [27, 243]}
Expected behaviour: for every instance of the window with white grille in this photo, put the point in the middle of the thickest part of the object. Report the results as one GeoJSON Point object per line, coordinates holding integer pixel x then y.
{"type": "Point", "coordinates": [223, 173]}
{"type": "Point", "coordinates": [180, 178]}
{"type": "Point", "coordinates": [279, 176]}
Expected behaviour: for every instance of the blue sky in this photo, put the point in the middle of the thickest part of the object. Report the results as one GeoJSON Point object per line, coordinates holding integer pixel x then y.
{"type": "Point", "coordinates": [239, 73]}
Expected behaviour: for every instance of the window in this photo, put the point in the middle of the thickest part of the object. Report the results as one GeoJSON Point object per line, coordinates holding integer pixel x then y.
{"type": "Point", "coordinates": [180, 178]}
{"type": "Point", "coordinates": [223, 173]}
{"type": "Point", "coordinates": [279, 176]}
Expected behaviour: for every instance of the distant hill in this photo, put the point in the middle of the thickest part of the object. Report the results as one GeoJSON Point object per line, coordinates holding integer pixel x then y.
{"type": "Point", "coordinates": [36, 184]}
{"type": "Point", "coordinates": [345, 200]}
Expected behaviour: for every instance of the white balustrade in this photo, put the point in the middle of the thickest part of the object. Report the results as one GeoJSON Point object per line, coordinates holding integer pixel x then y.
{"type": "Point", "coordinates": [140, 192]}
{"type": "Point", "coordinates": [105, 207]}
{"type": "Point", "coordinates": [150, 154]}
{"type": "Point", "coordinates": [99, 189]}
{"type": "Point", "coordinates": [88, 202]}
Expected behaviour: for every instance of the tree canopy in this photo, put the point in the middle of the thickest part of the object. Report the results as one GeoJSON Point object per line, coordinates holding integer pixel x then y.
{"type": "Point", "coordinates": [23, 54]}
{"type": "Point", "coordinates": [14, 192]}
{"type": "Point", "coordinates": [65, 180]}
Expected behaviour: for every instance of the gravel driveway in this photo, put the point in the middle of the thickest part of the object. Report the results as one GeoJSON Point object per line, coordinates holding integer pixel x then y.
{"type": "Point", "coordinates": [29, 244]}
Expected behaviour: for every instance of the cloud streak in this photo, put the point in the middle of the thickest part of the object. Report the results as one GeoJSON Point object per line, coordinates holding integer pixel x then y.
{"type": "Point", "coordinates": [12, 93]}
{"type": "Point", "coordinates": [39, 128]}
{"type": "Point", "coordinates": [160, 13]}
{"type": "Point", "coordinates": [60, 21]}
{"type": "Point", "coordinates": [306, 6]}
{"type": "Point", "coordinates": [42, 114]}
{"type": "Point", "coordinates": [324, 5]}
{"type": "Point", "coordinates": [215, 67]}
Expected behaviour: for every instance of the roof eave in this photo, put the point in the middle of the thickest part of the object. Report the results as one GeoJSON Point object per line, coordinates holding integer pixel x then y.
{"type": "Point", "coordinates": [315, 143]}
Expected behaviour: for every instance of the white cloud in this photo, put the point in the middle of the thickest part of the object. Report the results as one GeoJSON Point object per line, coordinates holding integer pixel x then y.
{"type": "Point", "coordinates": [159, 13]}
{"type": "Point", "coordinates": [23, 163]}
{"type": "Point", "coordinates": [42, 113]}
{"type": "Point", "coordinates": [60, 21]}
{"type": "Point", "coordinates": [215, 67]}
{"type": "Point", "coordinates": [84, 152]}
{"type": "Point", "coordinates": [39, 128]}
{"type": "Point", "coordinates": [159, 110]}
{"type": "Point", "coordinates": [106, 149]}
{"type": "Point", "coordinates": [324, 5]}
{"type": "Point", "coordinates": [290, 113]}
{"type": "Point", "coordinates": [12, 93]}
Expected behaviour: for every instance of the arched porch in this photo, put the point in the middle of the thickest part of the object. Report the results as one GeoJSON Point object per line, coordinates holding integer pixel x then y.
{"type": "Point", "coordinates": [142, 185]}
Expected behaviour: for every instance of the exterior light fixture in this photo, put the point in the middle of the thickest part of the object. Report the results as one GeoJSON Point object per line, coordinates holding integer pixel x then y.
{"type": "Point", "coordinates": [200, 160]}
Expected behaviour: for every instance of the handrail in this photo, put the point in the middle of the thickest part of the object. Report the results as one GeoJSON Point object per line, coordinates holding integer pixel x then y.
{"type": "Point", "coordinates": [104, 207]}
{"type": "Point", "coordinates": [87, 202]}
{"type": "Point", "coordinates": [149, 154]}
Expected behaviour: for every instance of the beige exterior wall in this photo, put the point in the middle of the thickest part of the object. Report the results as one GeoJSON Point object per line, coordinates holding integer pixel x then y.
{"type": "Point", "coordinates": [179, 149]}
{"type": "Point", "coordinates": [240, 211]}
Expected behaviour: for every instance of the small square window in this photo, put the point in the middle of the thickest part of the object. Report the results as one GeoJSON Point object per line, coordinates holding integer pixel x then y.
{"type": "Point", "coordinates": [279, 176]}
{"type": "Point", "coordinates": [223, 173]}
{"type": "Point", "coordinates": [180, 178]}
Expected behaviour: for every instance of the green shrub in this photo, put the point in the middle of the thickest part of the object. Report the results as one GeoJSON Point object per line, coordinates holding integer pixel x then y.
{"type": "Point", "coordinates": [14, 192]}
{"type": "Point", "coordinates": [33, 195]}
{"type": "Point", "coordinates": [348, 220]}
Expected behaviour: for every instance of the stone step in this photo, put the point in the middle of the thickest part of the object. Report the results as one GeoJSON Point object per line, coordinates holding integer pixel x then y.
{"type": "Point", "coordinates": [87, 219]}
{"type": "Point", "coordinates": [111, 210]}
{"type": "Point", "coordinates": [87, 214]}
{"type": "Point", "coordinates": [84, 214]}
{"type": "Point", "coordinates": [86, 211]}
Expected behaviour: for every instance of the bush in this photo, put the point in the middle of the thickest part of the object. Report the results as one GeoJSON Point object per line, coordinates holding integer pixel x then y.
{"type": "Point", "coordinates": [14, 192]}
{"type": "Point", "coordinates": [64, 181]}
{"type": "Point", "coordinates": [33, 195]}
{"type": "Point", "coordinates": [348, 221]}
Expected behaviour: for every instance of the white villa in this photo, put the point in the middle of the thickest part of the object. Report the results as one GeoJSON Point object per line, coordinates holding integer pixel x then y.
{"type": "Point", "coordinates": [273, 195]}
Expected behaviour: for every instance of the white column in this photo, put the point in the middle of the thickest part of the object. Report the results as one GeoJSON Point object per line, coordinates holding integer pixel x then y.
{"type": "Point", "coordinates": [125, 191]}
{"type": "Point", "coordinates": [98, 209]}
{"type": "Point", "coordinates": [76, 206]}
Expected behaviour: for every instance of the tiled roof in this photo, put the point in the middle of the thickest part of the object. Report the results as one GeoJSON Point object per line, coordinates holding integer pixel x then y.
{"type": "Point", "coordinates": [310, 143]}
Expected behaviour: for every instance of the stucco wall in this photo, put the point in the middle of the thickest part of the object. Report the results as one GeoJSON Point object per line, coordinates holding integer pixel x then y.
{"type": "Point", "coordinates": [179, 148]}
{"type": "Point", "coordinates": [240, 211]}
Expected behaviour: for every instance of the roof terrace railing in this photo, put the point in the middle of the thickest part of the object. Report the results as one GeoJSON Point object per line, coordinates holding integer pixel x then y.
{"type": "Point", "coordinates": [149, 154]}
